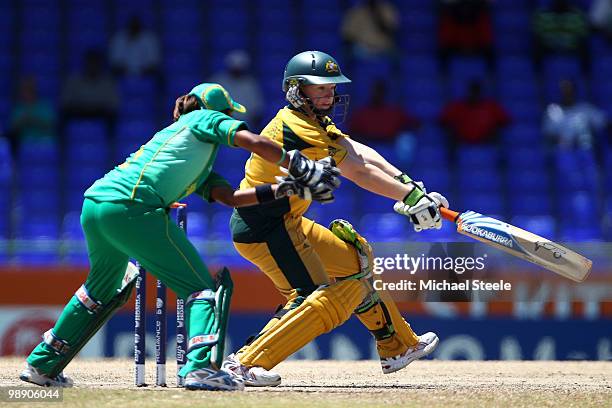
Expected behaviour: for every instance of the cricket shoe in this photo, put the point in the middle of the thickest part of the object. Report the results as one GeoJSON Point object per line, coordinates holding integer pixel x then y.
{"type": "Point", "coordinates": [32, 375]}
{"type": "Point", "coordinates": [252, 376]}
{"type": "Point", "coordinates": [211, 380]}
{"type": "Point", "coordinates": [427, 343]}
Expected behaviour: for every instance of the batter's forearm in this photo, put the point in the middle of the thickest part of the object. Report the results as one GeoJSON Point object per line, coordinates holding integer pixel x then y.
{"type": "Point", "coordinates": [374, 179]}
{"type": "Point", "coordinates": [371, 156]}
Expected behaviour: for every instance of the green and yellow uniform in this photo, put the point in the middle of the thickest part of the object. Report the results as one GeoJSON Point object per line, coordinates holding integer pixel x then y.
{"type": "Point", "coordinates": [125, 215]}
{"type": "Point", "coordinates": [300, 256]}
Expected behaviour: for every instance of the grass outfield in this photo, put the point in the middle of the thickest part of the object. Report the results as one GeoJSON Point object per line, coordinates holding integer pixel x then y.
{"type": "Point", "coordinates": [109, 383]}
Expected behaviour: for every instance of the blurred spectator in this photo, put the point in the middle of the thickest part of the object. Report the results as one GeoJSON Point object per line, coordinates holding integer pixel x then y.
{"type": "Point", "coordinates": [243, 86]}
{"type": "Point", "coordinates": [475, 119]}
{"type": "Point", "coordinates": [134, 51]}
{"type": "Point", "coordinates": [601, 17]}
{"type": "Point", "coordinates": [380, 120]}
{"type": "Point", "coordinates": [92, 93]}
{"type": "Point", "coordinates": [370, 29]}
{"type": "Point", "coordinates": [561, 29]}
{"type": "Point", "coordinates": [465, 29]}
{"type": "Point", "coordinates": [32, 119]}
{"type": "Point", "coordinates": [571, 124]}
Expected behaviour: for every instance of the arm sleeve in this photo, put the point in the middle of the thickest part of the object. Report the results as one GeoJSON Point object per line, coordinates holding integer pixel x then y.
{"type": "Point", "coordinates": [216, 127]}
{"type": "Point", "coordinates": [213, 180]}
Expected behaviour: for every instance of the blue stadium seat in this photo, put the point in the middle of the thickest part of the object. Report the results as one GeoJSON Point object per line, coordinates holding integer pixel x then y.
{"type": "Point", "coordinates": [420, 21]}
{"type": "Point", "coordinates": [436, 178]}
{"type": "Point", "coordinates": [42, 246]}
{"type": "Point", "coordinates": [524, 111]}
{"type": "Point", "coordinates": [276, 41]}
{"type": "Point", "coordinates": [6, 157]}
{"type": "Point", "coordinates": [140, 131]}
{"type": "Point", "coordinates": [384, 227]}
{"type": "Point", "coordinates": [39, 175]}
{"type": "Point", "coordinates": [75, 248]}
{"type": "Point", "coordinates": [484, 203]}
{"type": "Point", "coordinates": [526, 180]}
{"type": "Point", "coordinates": [467, 68]}
{"type": "Point", "coordinates": [315, 40]}
{"type": "Point", "coordinates": [83, 177]}
{"type": "Point", "coordinates": [558, 67]}
{"type": "Point", "coordinates": [425, 88]}
{"type": "Point", "coordinates": [587, 233]}
{"type": "Point", "coordinates": [41, 62]}
{"type": "Point", "coordinates": [195, 204]}
{"type": "Point", "coordinates": [552, 93]}
{"type": "Point", "coordinates": [146, 10]}
{"type": "Point", "coordinates": [419, 66]}
{"type": "Point", "coordinates": [83, 131]}
{"type": "Point", "coordinates": [582, 206]}
{"type": "Point", "coordinates": [73, 199]}
{"type": "Point", "coordinates": [197, 225]}
{"type": "Point", "coordinates": [526, 157]}
{"type": "Point", "coordinates": [219, 225]}
{"type": "Point", "coordinates": [94, 154]}
{"type": "Point", "coordinates": [513, 43]}
{"type": "Point", "coordinates": [514, 67]}
{"type": "Point", "coordinates": [416, 42]}
{"type": "Point", "coordinates": [602, 66]}
{"type": "Point", "coordinates": [138, 108]}
{"type": "Point", "coordinates": [525, 135]}
{"type": "Point", "coordinates": [516, 21]}
{"type": "Point", "coordinates": [426, 110]}
{"type": "Point", "coordinates": [42, 226]}
{"type": "Point", "coordinates": [138, 87]}
{"type": "Point", "coordinates": [601, 91]}
{"type": "Point", "coordinates": [530, 204]}
{"type": "Point", "coordinates": [520, 89]}
{"type": "Point", "coordinates": [542, 225]}
{"type": "Point", "coordinates": [40, 201]}
{"type": "Point", "coordinates": [477, 156]}
{"type": "Point", "coordinates": [475, 180]}
{"type": "Point", "coordinates": [39, 152]}
{"type": "Point", "coordinates": [376, 203]}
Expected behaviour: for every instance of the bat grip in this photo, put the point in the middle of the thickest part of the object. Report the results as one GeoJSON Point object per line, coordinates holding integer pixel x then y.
{"type": "Point", "coordinates": [449, 214]}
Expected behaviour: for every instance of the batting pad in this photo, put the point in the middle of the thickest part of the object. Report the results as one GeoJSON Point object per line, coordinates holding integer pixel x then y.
{"type": "Point", "coordinates": [393, 334]}
{"type": "Point", "coordinates": [324, 309]}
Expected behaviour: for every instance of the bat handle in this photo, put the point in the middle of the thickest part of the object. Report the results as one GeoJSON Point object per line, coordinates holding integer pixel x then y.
{"type": "Point", "coordinates": [449, 214]}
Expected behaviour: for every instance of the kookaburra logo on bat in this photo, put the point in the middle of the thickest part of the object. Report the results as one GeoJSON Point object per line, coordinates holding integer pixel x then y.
{"type": "Point", "coordinates": [556, 251]}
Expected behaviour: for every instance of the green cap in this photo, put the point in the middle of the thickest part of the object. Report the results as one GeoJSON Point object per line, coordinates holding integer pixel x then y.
{"type": "Point", "coordinates": [215, 97]}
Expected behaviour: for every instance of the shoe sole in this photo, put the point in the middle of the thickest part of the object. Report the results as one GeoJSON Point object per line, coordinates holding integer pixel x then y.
{"type": "Point", "coordinates": [271, 384]}
{"type": "Point", "coordinates": [425, 352]}
{"type": "Point", "coordinates": [211, 387]}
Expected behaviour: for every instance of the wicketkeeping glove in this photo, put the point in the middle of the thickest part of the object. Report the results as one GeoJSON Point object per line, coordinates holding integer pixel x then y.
{"type": "Point", "coordinates": [288, 186]}
{"type": "Point", "coordinates": [294, 96]}
{"type": "Point", "coordinates": [310, 173]}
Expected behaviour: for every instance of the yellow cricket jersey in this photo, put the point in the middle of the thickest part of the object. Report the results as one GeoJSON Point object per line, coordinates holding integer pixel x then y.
{"type": "Point", "coordinates": [292, 130]}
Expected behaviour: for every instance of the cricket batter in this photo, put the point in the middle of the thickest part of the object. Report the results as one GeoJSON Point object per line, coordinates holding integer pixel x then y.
{"type": "Point", "coordinates": [125, 214]}
{"type": "Point", "coordinates": [325, 273]}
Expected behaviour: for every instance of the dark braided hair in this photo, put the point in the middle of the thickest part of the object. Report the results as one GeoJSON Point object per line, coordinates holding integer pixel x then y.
{"type": "Point", "coordinates": [184, 104]}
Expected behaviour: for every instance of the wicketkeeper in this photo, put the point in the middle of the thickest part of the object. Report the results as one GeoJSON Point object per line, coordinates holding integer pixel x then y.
{"type": "Point", "coordinates": [125, 214]}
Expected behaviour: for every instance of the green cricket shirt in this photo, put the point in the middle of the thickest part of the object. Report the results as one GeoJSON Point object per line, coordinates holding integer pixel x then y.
{"type": "Point", "coordinates": [176, 162]}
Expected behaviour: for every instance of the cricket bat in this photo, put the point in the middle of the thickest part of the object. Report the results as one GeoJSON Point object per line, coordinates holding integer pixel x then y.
{"type": "Point", "coordinates": [521, 243]}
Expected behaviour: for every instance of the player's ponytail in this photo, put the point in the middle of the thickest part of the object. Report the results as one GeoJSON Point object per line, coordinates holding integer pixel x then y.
{"type": "Point", "coordinates": [184, 104]}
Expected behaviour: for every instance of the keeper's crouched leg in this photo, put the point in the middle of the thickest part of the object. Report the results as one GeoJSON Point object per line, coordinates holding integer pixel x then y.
{"type": "Point", "coordinates": [324, 309]}
{"type": "Point", "coordinates": [378, 312]}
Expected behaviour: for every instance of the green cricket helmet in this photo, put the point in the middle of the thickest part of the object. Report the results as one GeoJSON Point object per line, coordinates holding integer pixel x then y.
{"type": "Point", "coordinates": [313, 68]}
{"type": "Point", "coordinates": [317, 68]}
